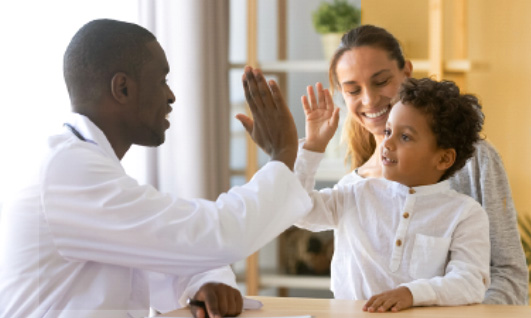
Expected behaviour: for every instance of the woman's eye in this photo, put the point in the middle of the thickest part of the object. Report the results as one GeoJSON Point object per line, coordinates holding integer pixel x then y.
{"type": "Point", "coordinates": [382, 83]}
{"type": "Point", "coordinates": [354, 92]}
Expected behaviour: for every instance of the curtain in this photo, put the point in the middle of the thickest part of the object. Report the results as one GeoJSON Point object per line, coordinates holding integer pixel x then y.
{"type": "Point", "coordinates": [194, 160]}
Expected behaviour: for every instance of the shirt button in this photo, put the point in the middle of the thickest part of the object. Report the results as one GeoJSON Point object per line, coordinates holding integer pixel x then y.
{"type": "Point", "coordinates": [405, 215]}
{"type": "Point", "coordinates": [412, 191]}
{"type": "Point", "coordinates": [398, 242]}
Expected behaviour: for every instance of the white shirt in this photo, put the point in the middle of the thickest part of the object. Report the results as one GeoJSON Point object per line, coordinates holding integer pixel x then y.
{"type": "Point", "coordinates": [83, 239]}
{"type": "Point", "coordinates": [431, 239]}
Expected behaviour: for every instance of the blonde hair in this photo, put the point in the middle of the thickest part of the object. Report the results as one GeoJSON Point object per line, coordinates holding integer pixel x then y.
{"type": "Point", "coordinates": [360, 142]}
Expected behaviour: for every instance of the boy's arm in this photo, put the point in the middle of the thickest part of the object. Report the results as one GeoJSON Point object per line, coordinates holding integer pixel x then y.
{"type": "Point", "coordinates": [321, 123]}
{"type": "Point", "coordinates": [467, 273]}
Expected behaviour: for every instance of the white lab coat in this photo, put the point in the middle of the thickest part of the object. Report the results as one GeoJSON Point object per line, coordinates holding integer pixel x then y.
{"type": "Point", "coordinates": [83, 238]}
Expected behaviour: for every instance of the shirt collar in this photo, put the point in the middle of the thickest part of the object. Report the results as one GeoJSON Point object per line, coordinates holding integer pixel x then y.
{"type": "Point", "coordinates": [438, 187]}
{"type": "Point", "coordinates": [92, 133]}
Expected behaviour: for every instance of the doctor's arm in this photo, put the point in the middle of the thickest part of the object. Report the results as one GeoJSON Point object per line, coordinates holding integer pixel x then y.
{"type": "Point", "coordinates": [216, 288]}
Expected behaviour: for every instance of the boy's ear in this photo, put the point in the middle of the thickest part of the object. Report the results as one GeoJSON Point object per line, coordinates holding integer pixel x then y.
{"type": "Point", "coordinates": [446, 159]}
{"type": "Point", "coordinates": [120, 89]}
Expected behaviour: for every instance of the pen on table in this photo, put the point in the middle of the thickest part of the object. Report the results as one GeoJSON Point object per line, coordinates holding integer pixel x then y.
{"type": "Point", "coordinates": [248, 303]}
{"type": "Point", "coordinates": [197, 303]}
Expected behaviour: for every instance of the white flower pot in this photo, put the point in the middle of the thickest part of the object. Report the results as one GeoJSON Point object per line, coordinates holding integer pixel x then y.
{"type": "Point", "coordinates": [330, 42]}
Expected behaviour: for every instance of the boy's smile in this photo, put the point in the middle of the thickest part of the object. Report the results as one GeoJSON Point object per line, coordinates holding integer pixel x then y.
{"type": "Point", "coordinates": [410, 154]}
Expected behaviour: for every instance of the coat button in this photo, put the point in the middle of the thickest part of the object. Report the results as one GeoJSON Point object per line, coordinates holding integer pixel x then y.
{"type": "Point", "coordinates": [398, 242]}
{"type": "Point", "coordinates": [405, 215]}
{"type": "Point", "coordinates": [412, 191]}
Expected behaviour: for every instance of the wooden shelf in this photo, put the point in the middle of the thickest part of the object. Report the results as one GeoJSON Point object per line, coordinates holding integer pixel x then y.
{"type": "Point", "coordinates": [308, 66]}
{"type": "Point", "coordinates": [274, 280]}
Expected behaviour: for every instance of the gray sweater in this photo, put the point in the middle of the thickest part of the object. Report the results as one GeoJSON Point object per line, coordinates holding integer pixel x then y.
{"type": "Point", "coordinates": [484, 179]}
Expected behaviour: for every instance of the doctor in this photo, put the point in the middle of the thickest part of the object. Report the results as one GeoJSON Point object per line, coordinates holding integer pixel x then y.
{"type": "Point", "coordinates": [84, 239]}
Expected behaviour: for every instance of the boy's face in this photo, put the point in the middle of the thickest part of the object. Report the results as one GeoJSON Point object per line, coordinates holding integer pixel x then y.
{"type": "Point", "coordinates": [409, 151]}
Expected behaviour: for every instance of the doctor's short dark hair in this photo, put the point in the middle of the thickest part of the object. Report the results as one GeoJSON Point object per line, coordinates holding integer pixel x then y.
{"type": "Point", "coordinates": [99, 50]}
{"type": "Point", "coordinates": [456, 119]}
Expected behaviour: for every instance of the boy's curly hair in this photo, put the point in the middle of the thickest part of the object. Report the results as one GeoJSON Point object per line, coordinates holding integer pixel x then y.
{"type": "Point", "coordinates": [455, 119]}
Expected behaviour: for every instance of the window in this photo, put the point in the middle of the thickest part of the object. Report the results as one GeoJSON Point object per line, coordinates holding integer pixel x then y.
{"type": "Point", "coordinates": [34, 101]}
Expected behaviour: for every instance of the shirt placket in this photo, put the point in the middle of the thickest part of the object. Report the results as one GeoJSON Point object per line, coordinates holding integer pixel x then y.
{"type": "Point", "coordinates": [401, 231]}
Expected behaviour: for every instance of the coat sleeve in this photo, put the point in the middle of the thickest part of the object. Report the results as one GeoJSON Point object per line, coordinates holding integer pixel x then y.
{"type": "Point", "coordinates": [484, 179]}
{"type": "Point", "coordinates": [96, 212]}
{"type": "Point", "coordinates": [170, 292]}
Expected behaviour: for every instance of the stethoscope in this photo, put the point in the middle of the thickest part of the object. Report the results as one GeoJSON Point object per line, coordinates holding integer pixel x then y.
{"type": "Point", "coordinates": [76, 133]}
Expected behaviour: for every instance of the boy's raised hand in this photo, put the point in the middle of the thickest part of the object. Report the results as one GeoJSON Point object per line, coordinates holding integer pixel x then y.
{"type": "Point", "coordinates": [392, 300]}
{"type": "Point", "coordinates": [322, 118]}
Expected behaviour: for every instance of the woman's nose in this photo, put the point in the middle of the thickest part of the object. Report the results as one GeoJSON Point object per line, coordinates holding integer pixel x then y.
{"type": "Point", "coordinates": [369, 97]}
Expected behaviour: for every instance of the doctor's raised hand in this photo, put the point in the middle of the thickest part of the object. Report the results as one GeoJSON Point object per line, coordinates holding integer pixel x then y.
{"type": "Point", "coordinates": [322, 118]}
{"type": "Point", "coordinates": [272, 127]}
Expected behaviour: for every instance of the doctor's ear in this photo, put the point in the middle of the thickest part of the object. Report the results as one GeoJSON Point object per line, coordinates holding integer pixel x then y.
{"type": "Point", "coordinates": [120, 87]}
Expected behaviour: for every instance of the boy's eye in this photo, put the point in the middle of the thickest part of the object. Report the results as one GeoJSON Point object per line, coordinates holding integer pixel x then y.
{"type": "Point", "coordinates": [387, 132]}
{"type": "Point", "coordinates": [405, 137]}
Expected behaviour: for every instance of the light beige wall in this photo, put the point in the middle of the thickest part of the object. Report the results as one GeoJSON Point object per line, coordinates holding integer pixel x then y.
{"type": "Point", "coordinates": [500, 47]}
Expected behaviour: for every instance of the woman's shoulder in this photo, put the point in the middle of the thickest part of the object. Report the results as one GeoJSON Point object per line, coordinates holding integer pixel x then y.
{"type": "Point", "coordinates": [486, 158]}
{"type": "Point", "coordinates": [352, 177]}
{"type": "Point", "coordinates": [485, 149]}
{"type": "Point", "coordinates": [483, 172]}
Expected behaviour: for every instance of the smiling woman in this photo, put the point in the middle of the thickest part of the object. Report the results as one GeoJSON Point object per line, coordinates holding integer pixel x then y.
{"type": "Point", "coordinates": [34, 98]}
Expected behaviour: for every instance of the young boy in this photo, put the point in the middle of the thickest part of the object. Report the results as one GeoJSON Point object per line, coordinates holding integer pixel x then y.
{"type": "Point", "coordinates": [407, 240]}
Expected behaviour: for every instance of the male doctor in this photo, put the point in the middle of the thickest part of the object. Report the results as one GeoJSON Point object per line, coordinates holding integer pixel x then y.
{"type": "Point", "coordinates": [84, 239]}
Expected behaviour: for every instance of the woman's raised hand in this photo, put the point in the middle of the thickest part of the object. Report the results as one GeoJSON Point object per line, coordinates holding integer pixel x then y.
{"type": "Point", "coordinates": [322, 118]}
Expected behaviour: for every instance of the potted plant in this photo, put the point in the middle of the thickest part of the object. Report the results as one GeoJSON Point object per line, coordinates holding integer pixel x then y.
{"type": "Point", "coordinates": [332, 20]}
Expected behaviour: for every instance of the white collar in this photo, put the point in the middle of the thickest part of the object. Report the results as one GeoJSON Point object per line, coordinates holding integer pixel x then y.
{"type": "Point", "coordinates": [92, 133]}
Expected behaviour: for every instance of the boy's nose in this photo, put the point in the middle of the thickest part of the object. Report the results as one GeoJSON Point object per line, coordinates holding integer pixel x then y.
{"type": "Point", "coordinates": [388, 143]}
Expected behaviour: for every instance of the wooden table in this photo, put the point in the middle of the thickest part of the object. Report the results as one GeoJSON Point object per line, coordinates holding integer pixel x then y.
{"type": "Point", "coordinates": [334, 308]}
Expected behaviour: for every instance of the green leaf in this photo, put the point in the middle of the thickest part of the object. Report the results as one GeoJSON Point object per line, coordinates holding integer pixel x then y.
{"type": "Point", "coordinates": [336, 17]}
{"type": "Point", "coordinates": [524, 225]}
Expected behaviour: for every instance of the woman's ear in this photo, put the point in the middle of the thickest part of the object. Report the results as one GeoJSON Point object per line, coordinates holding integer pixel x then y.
{"type": "Point", "coordinates": [446, 159]}
{"type": "Point", "coordinates": [408, 68]}
{"type": "Point", "coordinates": [120, 87]}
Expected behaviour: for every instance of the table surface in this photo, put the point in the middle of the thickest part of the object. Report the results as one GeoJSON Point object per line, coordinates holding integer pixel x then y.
{"type": "Point", "coordinates": [335, 308]}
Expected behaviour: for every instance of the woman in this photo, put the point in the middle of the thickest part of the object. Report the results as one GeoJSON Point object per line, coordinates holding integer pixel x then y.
{"type": "Point", "coordinates": [368, 69]}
